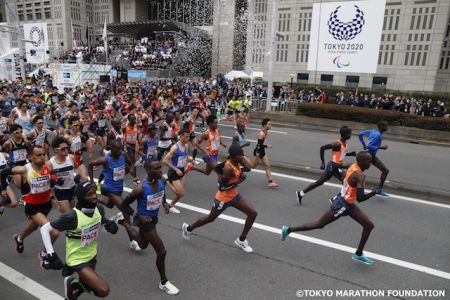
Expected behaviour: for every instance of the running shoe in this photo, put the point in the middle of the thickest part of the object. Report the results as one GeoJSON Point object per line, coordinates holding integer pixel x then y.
{"type": "Point", "coordinates": [117, 218]}
{"type": "Point", "coordinates": [71, 290]}
{"type": "Point", "coordinates": [50, 261]}
{"type": "Point", "coordinates": [188, 168]}
{"type": "Point", "coordinates": [273, 184]}
{"type": "Point", "coordinates": [284, 232]}
{"type": "Point", "coordinates": [383, 194]}
{"type": "Point", "coordinates": [299, 197]}
{"type": "Point", "coordinates": [19, 245]}
{"type": "Point", "coordinates": [363, 259]}
{"type": "Point", "coordinates": [165, 177]}
{"type": "Point", "coordinates": [169, 288]}
{"type": "Point", "coordinates": [2, 210]}
{"type": "Point", "coordinates": [174, 210]}
{"type": "Point", "coordinates": [135, 246]}
{"type": "Point", "coordinates": [243, 245]}
{"type": "Point", "coordinates": [185, 232]}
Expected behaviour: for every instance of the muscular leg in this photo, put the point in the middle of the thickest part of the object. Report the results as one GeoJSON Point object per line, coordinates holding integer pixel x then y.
{"type": "Point", "coordinates": [117, 200]}
{"type": "Point", "coordinates": [178, 189]}
{"type": "Point", "coordinates": [324, 220]}
{"type": "Point", "coordinates": [153, 238]}
{"type": "Point", "coordinates": [213, 214]}
{"type": "Point", "coordinates": [94, 282]}
{"type": "Point", "coordinates": [135, 235]}
{"type": "Point", "coordinates": [359, 216]}
{"type": "Point", "coordinates": [251, 213]}
{"type": "Point", "coordinates": [266, 163]}
{"type": "Point", "coordinates": [384, 171]}
{"type": "Point", "coordinates": [209, 167]}
{"type": "Point", "coordinates": [324, 178]}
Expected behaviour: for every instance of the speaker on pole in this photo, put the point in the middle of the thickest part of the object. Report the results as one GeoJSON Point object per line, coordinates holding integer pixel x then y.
{"type": "Point", "coordinates": [104, 78]}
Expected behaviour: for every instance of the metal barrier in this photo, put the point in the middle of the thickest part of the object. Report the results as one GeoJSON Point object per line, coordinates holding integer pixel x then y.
{"type": "Point", "coordinates": [259, 104]}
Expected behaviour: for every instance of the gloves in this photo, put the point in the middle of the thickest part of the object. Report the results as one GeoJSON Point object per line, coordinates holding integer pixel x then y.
{"type": "Point", "coordinates": [111, 227]}
{"type": "Point", "coordinates": [322, 166]}
{"type": "Point", "coordinates": [52, 262]}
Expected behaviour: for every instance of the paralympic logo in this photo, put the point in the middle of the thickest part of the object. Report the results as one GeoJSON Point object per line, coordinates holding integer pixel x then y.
{"type": "Point", "coordinates": [345, 30]}
{"type": "Point", "coordinates": [340, 64]}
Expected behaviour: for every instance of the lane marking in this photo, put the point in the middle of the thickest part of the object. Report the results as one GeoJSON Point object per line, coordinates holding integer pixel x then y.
{"type": "Point", "coordinates": [27, 284]}
{"type": "Point", "coordinates": [230, 137]}
{"type": "Point", "coordinates": [252, 128]}
{"type": "Point", "coordinates": [336, 246]}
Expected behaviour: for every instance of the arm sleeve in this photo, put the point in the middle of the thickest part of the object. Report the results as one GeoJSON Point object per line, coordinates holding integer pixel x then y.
{"type": "Point", "coordinates": [361, 135]}
{"type": "Point", "coordinates": [46, 239]}
{"type": "Point", "coordinates": [126, 204]}
{"type": "Point", "coordinates": [67, 221]}
{"type": "Point", "coordinates": [361, 197]}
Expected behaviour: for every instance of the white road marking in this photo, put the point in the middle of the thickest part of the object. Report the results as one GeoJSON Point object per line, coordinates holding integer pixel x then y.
{"type": "Point", "coordinates": [27, 284]}
{"type": "Point", "coordinates": [387, 259]}
{"type": "Point", "coordinates": [230, 137]}
{"type": "Point", "coordinates": [252, 128]}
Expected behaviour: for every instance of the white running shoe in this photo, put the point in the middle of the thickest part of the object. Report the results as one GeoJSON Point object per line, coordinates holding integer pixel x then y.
{"type": "Point", "coordinates": [169, 288]}
{"type": "Point", "coordinates": [243, 245]}
{"type": "Point", "coordinates": [174, 210]}
{"type": "Point", "coordinates": [185, 232]}
{"type": "Point", "coordinates": [165, 177]}
{"type": "Point", "coordinates": [135, 246]}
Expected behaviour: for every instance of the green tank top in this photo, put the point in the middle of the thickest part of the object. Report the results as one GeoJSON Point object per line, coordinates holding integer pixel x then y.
{"type": "Point", "coordinates": [231, 104]}
{"type": "Point", "coordinates": [81, 243]}
{"type": "Point", "coordinates": [238, 105]}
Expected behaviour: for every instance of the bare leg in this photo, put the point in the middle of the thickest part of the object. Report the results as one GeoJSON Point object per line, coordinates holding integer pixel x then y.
{"type": "Point", "coordinates": [153, 238]}
{"type": "Point", "coordinates": [251, 213]}
{"type": "Point", "coordinates": [94, 282]}
{"type": "Point", "coordinates": [324, 178]}
{"type": "Point", "coordinates": [359, 216]}
{"type": "Point", "coordinates": [384, 171]}
{"type": "Point", "coordinates": [213, 214]}
{"type": "Point", "coordinates": [324, 220]}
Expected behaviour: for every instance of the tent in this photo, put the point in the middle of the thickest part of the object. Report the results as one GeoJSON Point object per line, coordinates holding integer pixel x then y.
{"type": "Point", "coordinates": [236, 74]}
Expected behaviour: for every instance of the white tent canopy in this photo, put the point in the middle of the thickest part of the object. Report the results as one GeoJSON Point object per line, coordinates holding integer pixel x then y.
{"type": "Point", "coordinates": [236, 74]}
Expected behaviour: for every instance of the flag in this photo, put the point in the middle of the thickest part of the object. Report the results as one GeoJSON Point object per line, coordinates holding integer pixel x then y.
{"type": "Point", "coordinates": [74, 40]}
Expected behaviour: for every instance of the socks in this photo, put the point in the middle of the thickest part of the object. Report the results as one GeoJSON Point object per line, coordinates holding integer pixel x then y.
{"type": "Point", "coordinates": [359, 252]}
{"type": "Point", "coordinates": [189, 228]}
{"type": "Point", "coordinates": [164, 281]}
{"type": "Point", "coordinates": [302, 193]}
{"type": "Point", "coordinates": [242, 238]}
{"type": "Point", "coordinates": [18, 239]}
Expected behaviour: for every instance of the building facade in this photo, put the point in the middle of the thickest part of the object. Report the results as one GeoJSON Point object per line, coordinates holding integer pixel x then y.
{"type": "Point", "coordinates": [414, 52]}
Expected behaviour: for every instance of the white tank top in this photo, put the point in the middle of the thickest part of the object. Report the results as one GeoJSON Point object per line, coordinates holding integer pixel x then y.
{"type": "Point", "coordinates": [167, 135]}
{"type": "Point", "coordinates": [66, 170]}
{"type": "Point", "coordinates": [23, 120]}
{"type": "Point", "coordinates": [75, 146]}
{"type": "Point", "coordinates": [3, 162]}
{"type": "Point", "coordinates": [40, 137]}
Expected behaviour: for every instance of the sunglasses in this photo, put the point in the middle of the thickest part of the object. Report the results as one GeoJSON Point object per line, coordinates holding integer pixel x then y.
{"type": "Point", "coordinates": [62, 148]}
{"type": "Point", "coordinates": [17, 132]}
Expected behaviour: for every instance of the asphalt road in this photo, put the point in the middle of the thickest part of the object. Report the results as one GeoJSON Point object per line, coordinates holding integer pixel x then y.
{"type": "Point", "coordinates": [210, 266]}
{"type": "Point", "coordinates": [422, 167]}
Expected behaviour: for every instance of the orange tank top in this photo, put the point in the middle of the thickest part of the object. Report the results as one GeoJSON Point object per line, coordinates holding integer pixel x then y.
{"type": "Point", "coordinates": [213, 142]}
{"type": "Point", "coordinates": [348, 191]}
{"type": "Point", "coordinates": [131, 135]}
{"type": "Point", "coordinates": [228, 195]}
{"type": "Point", "coordinates": [175, 129]}
{"type": "Point", "coordinates": [338, 156]}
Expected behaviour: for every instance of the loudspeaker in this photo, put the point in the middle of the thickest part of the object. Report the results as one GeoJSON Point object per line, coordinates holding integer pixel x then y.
{"type": "Point", "coordinates": [62, 44]}
{"type": "Point", "coordinates": [104, 78]}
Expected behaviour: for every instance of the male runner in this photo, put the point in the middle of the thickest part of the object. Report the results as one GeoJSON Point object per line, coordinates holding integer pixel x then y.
{"type": "Point", "coordinates": [375, 139]}
{"type": "Point", "coordinates": [260, 151]}
{"type": "Point", "coordinates": [227, 196]}
{"type": "Point", "coordinates": [344, 204]}
{"type": "Point", "coordinates": [335, 166]}
{"type": "Point", "coordinates": [82, 225]}
{"type": "Point", "coordinates": [239, 135]}
{"type": "Point", "coordinates": [150, 195]}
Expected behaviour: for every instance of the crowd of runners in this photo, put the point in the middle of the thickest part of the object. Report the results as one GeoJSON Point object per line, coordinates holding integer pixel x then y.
{"type": "Point", "coordinates": [52, 143]}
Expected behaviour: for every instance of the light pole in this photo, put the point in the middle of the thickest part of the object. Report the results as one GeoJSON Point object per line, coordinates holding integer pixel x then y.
{"type": "Point", "coordinates": [272, 53]}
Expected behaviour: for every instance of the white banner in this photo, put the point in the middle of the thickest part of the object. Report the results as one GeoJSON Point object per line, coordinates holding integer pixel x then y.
{"type": "Point", "coordinates": [9, 65]}
{"type": "Point", "coordinates": [345, 36]}
{"type": "Point", "coordinates": [72, 75]}
{"type": "Point", "coordinates": [36, 52]}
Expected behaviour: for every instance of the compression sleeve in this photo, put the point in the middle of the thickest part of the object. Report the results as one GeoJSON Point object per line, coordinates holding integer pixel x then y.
{"type": "Point", "coordinates": [45, 233]}
{"type": "Point", "coordinates": [361, 135]}
{"type": "Point", "coordinates": [126, 205]}
{"type": "Point", "coordinates": [360, 196]}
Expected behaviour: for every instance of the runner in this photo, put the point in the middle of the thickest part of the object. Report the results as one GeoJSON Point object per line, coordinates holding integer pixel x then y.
{"type": "Point", "coordinates": [165, 136]}
{"type": "Point", "coordinates": [131, 137]}
{"type": "Point", "coordinates": [38, 135]}
{"type": "Point", "coordinates": [114, 170]}
{"type": "Point", "coordinates": [86, 125]}
{"type": "Point", "coordinates": [150, 195]}
{"type": "Point", "coordinates": [74, 138]}
{"type": "Point", "coordinates": [260, 152]}
{"type": "Point", "coordinates": [239, 136]}
{"type": "Point", "coordinates": [176, 160]}
{"type": "Point", "coordinates": [148, 146]}
{"type": "Point", "coordinates": [36, 195]}
{"type": "Point", "coordinates": [16, 147]}
{"type": "Point", "coordinates": [227, 196]}
{"type": "Point", "coordinates": [336, 166]}
{"type": "Point", "coordinates": [10, 199]}
{"type": "Point", "coordinates": [99, 123]}
{"type": "Point", "coordinates": [344, 204]}
{"type": "Point", "coordinates": [82, 225]}
{"type": "Point", "coordinates": [64, 166]}
{"type": "Point", "coordinates": [374, 144]}
{"type": "Point", "coordinates": [213, 140]}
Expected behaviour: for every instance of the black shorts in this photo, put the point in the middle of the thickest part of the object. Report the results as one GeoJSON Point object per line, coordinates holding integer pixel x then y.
{"type": "Point", "coordinates": [64, 194]}
{"type": "Point", "coordinates": [230, 112]}
{"type": "Point", "coordinates": [69, 270]}
{"type": "Point", "coordinates": [100, 132]}
{"type": "Point", "coordinates": [84, 137]}
{"type": "Point", "coordinates": [221, 206]}
{"type": "Point", "coordinates": [32, 209]}
{"type": "Point", "coordinates": [259, 152]}
{"type": "Point", "coordinates": [191, 136]}
{"type": "Point", "coordinates": [340, 207]}
{"type": "Point", "coordinates": [163, 151]}
{"type": "Point", "coordinates": [105, 192]}
{"type": "Point", "coordinates": [334, 169]}
{"type": "Point", "coordinates": [145, 226]}
{"type": "Point", "coordinates": [18, 163]}
{"type": "Point", "coordinates": [246, 110]}
{"type": "Point", "coordinates": [173, 176]}
{"type": "Point", "coordinates": [131, 148]}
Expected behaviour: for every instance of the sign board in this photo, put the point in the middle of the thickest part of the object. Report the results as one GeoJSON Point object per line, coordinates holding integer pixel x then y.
{"type": "Point", "coordinates": [345, 36]}
{"type": "Point", "coordinates": [36, 52]}
{"type": "Point", "coordinates": [72, 75]}
{"type": "Point", "coordinates": [137, 74]}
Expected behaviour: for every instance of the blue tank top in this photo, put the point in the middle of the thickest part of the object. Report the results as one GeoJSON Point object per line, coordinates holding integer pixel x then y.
{"type": "Point", "coordinates": [179, 159]}
{"type": "Point", "coordinates": [150, 148]}
{"type": "Point", "coordinates": [241, 139]}
{"type": "Point", "coordinates": [150, 202]}
{"type": "Point", "coordinates": [114, 174]}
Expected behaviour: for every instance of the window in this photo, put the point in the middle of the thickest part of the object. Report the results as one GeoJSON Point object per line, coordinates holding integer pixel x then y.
{"type": "Point", "coordinates": [38, 16]}
{"type": "Point", "coordinates": [326, 79]}
{"type": "Point", "coordinates": [302, 78]}
{"type": "Point", "coordinates": [352, 81]}
{"type": "Point", "coordinates": [379, 82]}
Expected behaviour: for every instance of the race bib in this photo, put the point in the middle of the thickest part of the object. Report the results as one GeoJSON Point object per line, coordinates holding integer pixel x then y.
{"type": "Point", "coordinates": [40, 140]}
{"type": "Point", "coordinates": [40, 184]}
{"type": "Point", "coordinates": [119, 173]}
{"type": "Point", "coordinates": [154, 201]}
{"type": "Point", "coordinates": [20, 155]}
{"type": "Point", "coordinates": [151, 151]}
{"type": "Point", "coordinates": [3, 127]}
{"type": "Point", "coordinates": [215, 144]}
{"type": "Point", "coordinates": [89, 235]}
{"type": "Point", "coordinates": [182, 161]}
{"type": "Point", "coordinates": [101, 123]}
{"type": "Point", "coordinates": [131, 138]}
{"type": "Point", "coordinates": [85, 128]}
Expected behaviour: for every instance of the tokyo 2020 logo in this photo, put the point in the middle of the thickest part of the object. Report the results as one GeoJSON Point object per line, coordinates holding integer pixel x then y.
{"type": "Point", "coordinates": [36, 36]}
{"type": "Point", "coordinates": [345, 30]}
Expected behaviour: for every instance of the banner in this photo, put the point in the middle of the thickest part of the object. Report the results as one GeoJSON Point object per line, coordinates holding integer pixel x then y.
{"type": "Point", "coordinates": [36, 52]}
{"type": "Point", "coordinates": [345, 36]}
{"type": "Point", "coordinates": [9, 65]}
{"type": "Point", "coordinates": [5, 39]}
{"type": "Point", "coordinates": [137, 74]}
{"type": "Point", "coordinates": [72, 75]}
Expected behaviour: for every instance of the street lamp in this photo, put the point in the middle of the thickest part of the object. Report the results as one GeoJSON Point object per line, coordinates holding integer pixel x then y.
{"type": "Point", "coordinates": [292, 81]}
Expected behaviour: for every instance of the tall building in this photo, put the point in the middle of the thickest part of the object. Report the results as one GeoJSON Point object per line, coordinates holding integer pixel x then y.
{"type": "Point", "coordinates": [414, 52]}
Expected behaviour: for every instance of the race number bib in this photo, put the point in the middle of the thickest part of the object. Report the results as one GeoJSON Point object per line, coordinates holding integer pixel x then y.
{"type": "Point", "coordinates": [20, 155]}
{"type": "Point", "coordinates": [182, 160]}
{"type": "Point", "coordinates": [119, 173]}
{"type": "Point", "coordinates": [101, 123]}
{"type": "Point", "coordinates": [89, 235]}
{"type": "Point", "coordinates": [131, 138]}
{"type": "Point", "coordinates": [151, 152]}
{"type": "Point", "coordinates": [85, 128]}
{"type": "Point", "coordinates": [154, 201]}
{"type": "Point", "coordinates": [215, 144]}
{"type": "Point", "coordinates": [40, 184]}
